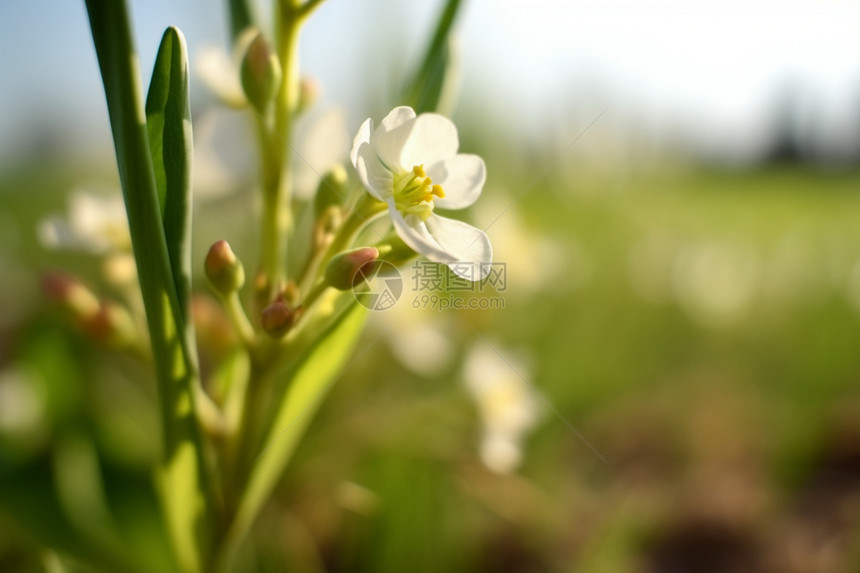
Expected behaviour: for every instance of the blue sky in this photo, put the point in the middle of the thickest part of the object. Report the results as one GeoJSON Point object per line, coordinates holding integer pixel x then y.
{"type": "Point", "coordinates": [703, 71]}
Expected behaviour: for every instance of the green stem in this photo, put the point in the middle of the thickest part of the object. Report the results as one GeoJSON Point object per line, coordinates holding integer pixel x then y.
{"type": "Point", "coordinates": [309, 7]}
{"type": "Point", "coordinates": [363, 213]}
{"type": "Point", "coordinates": [314, 294]}
{"type": "Point", "coordinates": [277, 158]}
{"type": "Point", "coordinates": [182, 479]}
{"type": "Point", "coordinates": [239, 319]}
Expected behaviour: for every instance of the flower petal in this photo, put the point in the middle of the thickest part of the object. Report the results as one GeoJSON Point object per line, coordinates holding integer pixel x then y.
{"type": "Point", "coordinates": [362, 137]}
{"type": "Point", "coordinates": [464, 248]}
{"type": "Point", "coordinates": [373, 174]}
{"type": "Point", "coordinates": [432, 138]}
{"type": "Point", "coordinates": [415, 234]}
{"type": "Point", "coordinates": [395, 118]}
{"type": "Point", "coordinates": [462, 177]}
{"type": "Point", "coordinates": [389, 145]}
{"type": "Point", "coordinates": [467, 247]}
{"type": "Point", "coordinates": [391, 135]}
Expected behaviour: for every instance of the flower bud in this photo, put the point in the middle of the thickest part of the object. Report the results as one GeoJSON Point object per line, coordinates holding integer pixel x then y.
{"type": "Point", "coordinates": [278, 318]}
{"type": "Point", "coordinates": [260, 73]}
{"type": "Point", "coordinates": [71, 294]}
{"type": "Point", "coordinates": [224, 271]}
{"type": "Point", "coordinates": [349, 268]}
{"type": "Point", "coordinates": [308, 94]}
{"type": "Point", "coordinates": [331, 191]}
{"type": "Point", "coordinates": [112, 325]}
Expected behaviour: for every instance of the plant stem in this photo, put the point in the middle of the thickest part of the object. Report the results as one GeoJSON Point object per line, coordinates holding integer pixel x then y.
{"type": "Point", "coordinates": [239, 319]}
{"type": "Point", "coordinates": [277, 157]}
{"type": "Point", "coordinates": [365, 211]}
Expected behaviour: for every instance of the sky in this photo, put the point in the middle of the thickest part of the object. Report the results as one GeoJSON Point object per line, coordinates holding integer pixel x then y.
{"type": "Point", "coordinates": [706, 73]}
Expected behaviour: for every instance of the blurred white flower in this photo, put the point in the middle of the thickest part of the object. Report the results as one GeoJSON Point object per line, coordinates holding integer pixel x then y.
{"type": "Point", "coordinates": [716, 283]}
{"type": "Point", "coordinates": [322, 142]}
{"type": "Point", "coordinates": [218, 172]}
{"type": "Point", "coordinates": [321, 136]}
{"type": "Point", "coordinates": [506, 404]}
{"type": "Point", "coordinates": [220, 74]}
{"type": "Point", "coordinates": [534, 262]}
{"type": "Point", "coordinates": [96, 224]}
{"type": "Point", "coordinates": [390, 162]}
{"type": "Point", "coordinates": [421, 339]}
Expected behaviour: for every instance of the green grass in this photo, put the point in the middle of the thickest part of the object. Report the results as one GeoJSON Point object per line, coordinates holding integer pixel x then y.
{"type": "Point", "coordinates": [700, 334]}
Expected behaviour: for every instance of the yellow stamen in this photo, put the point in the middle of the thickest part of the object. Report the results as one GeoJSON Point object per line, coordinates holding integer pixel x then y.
{"type": "Point", "coordinates": [414, 193]}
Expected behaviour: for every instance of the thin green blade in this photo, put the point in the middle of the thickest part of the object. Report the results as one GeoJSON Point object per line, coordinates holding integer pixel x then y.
{"type": "Point", "coordinates": [181, 479]}
{"type": "Point", "coordinates": [425, 90]}
{"type": "Point", "coordinates": [168, 122]}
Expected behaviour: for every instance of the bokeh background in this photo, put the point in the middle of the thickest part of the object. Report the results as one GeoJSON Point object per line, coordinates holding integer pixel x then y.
{"type": "Point", "coordinates": [674, 188]}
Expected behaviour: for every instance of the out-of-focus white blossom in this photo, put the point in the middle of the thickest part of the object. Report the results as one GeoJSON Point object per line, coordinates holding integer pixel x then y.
{"type": "Point", "coordinates": [716, 283]}
{"type": "Point", "coordinates": [506, 404]}
{"type": "Point", "coordinates": [420, 339]}
{"type": "Point", "coordinates": [534, 261]}
{"type": "Point", "coordinates": [322, 142]}
{"type": "Point", "coordinates": [220, 73]}
{"type": "Point", "coordinates": [94, 223]}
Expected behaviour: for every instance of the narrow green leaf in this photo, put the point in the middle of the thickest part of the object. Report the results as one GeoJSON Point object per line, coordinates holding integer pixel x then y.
{"type": "Point", "coordinates": [182, 479]}
{"type": "Point", "coordinates": [310, 376]}
{"type": "Point", "coordinates": [241, 17]}
{"type": "Point", "coordinates": [168, 122]}
{"type": "Point", "coordinates": [424, 92]}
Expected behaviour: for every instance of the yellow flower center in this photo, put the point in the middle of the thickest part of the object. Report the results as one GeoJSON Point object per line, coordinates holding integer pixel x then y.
{"type": "Point", "coordinates": [414, 193]}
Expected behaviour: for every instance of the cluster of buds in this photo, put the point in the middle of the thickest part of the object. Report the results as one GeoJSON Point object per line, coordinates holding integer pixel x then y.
{"type": "Point", "coordinates": [104, 320]}
{"type": "Point", "coordinates": [226, 274]}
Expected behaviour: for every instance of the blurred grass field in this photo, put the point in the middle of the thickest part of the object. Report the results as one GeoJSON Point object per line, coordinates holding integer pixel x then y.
{"type": "Point", "coordinates": [699, 328]}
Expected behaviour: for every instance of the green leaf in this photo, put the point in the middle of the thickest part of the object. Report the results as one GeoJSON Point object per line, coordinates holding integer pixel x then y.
{"type": "Point", "coordinates": [310, 377]}
{"type": "Point", "coordinates": [241, 17]}
{"type": "Point", "coordinates": [424, 93]}
{"type": "Point", "coordinates": [168, 122]}
{"type": "Point", "coordinates": [182, 476]}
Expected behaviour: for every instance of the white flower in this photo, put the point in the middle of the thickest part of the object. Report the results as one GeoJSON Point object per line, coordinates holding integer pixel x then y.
{"type": "Point", "coordinates": [422, 340]}
{"type": "Point", "coordinates": [96, 224]}
{"type": "Point", "coordinates": [220, 73]}
{"type": "Point", "coordinates": [506, 404]}
{"type": "Point", "coordinates": [412, 164]}
{"type": "Point", "coordinates": [322, 142]}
